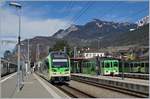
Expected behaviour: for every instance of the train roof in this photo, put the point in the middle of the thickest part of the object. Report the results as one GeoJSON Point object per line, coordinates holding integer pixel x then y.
{"type": "Point", "coordinates": [104, 58]}
{"type": "Point", "coordinates": [53, 52]}
{"type": "Point", "coordinates": [58, 54]}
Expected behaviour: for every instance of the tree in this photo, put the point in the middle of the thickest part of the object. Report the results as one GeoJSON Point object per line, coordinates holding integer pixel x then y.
{"type": "Point", "coordinates": [50, 49]}
{"type": "Point", "coordinates": [59, 46]}
{"type": "Point", "coordinates": [7, 54]}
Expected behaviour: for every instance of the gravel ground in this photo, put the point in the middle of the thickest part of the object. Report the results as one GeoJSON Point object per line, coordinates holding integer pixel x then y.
{"type": "Point", "coordinates": [97, 91]}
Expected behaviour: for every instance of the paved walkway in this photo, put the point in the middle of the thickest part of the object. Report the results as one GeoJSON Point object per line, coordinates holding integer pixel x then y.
{"type": "Point", "coordinates": [34, 87]}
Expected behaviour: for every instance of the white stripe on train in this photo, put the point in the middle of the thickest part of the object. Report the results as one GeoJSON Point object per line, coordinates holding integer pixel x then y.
{"type": "Point", "coordinates": [59, 60]}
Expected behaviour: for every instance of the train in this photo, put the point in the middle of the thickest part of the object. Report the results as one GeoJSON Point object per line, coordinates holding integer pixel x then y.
{"type": "Point", "coordinates": [7, 67]}
{"type": "Point", "coordinates": [108, 66]}
{"type": "Point", "coordinates": [55, 67]}
{"type": "Point", "coordinates": [135, 67]}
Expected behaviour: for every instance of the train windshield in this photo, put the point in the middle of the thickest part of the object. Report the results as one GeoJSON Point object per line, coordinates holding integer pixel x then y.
{"type": "Point", "coordinates": [58, 55]}
{"type": "Point", "coordinates": [115, 64]}
{"type": "Point", "coordinates": [60, 64]}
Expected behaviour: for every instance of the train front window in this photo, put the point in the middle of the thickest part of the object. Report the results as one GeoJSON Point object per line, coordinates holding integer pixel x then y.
{"type": "Point", "coordinates": [107, 65]}
{"type": "Point", "coordinates": [115, 64]}
{"type": "Point", "coordinates": [60, 64]}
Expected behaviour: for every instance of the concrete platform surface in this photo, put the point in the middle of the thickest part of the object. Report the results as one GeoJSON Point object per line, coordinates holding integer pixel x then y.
{"type": "Point", "coordinates": [134, 85]}
{"type": "Point", "coordinates": [119, 79]}
{"type": "Point", "coordinates": [33, 87]}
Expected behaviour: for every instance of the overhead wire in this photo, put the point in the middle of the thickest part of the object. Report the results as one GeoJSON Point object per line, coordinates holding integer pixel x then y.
{"type": "Point", "coordinates": [89, 4]}
{"type": "Point", "coordinates": [80, 13]}
{"type": "Point", "coordinates": [84, 11]}
{"type": "Point", "coordinates": [111, 9]}
{"type": "Point", "coordinates": [69, 9]}
{"type": "Point", "coordinates": [137, 13]}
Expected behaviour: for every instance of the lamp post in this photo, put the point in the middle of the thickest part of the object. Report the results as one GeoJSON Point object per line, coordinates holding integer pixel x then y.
{"type": "Point", "coordinates": [18, 7]}
{"type": "Point", "coordinates": [28, 55]}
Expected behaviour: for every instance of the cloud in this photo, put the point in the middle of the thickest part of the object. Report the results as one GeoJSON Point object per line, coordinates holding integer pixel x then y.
{"type": "Point", "coordinates": [30, 27]}
{"type": "Point", "coordinates": [2, 3]}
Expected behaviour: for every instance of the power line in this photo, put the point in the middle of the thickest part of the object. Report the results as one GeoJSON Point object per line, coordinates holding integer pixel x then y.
{"type": "Point", "coordinates": [84, 11]}
{"type": "Point", "coordinates": [134, 14]}
{"type": "Point", "coordinates": [112, 8]}
{"type": "Point", "coordinates": [69, 7]}
{"type": "Point", "coordinates": [81, 12]}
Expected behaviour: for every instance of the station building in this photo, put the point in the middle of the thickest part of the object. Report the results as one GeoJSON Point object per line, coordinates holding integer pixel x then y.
{"type": "Point", "coordinates": [93, 54]}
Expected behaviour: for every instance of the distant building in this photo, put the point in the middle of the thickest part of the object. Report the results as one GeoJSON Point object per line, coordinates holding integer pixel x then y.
{"type": "Point", "coordinates": [93, 54]}
{"type": "Point", "coordinates": [132, 29]}
{"type": "Point", "coordinates": [143, 21]}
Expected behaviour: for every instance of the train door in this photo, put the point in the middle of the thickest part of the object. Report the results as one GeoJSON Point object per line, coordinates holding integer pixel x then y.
{"type": "Point", "coordinates": [147, 67]}
{"type": "Point", "coordinates": [142, 67]}
{"type": "Point", "coordinates": [46, 68]}
{"type": "Point", "coordinates": [102, 67]}
{"type": "Point", "coordinates": [115, 67]}
{"type": "Point", "coordinates": [107, 68]}
{"type": "Point", "coordinates": [111, 68]}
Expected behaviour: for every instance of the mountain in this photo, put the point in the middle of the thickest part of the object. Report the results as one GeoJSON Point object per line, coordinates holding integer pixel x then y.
{"type": "Point", "coordinates": [139, 36]}
{"type": "Point", "coordinates": [94, 29]}
{"type": "Point", "coordinates": [61, 33]}
{"type": "Point", "coordinates": [104, 33]}
{"type": "Point", "coordinates": [143, 21]}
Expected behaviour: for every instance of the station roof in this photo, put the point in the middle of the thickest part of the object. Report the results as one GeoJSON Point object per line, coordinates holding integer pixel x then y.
{"type": "Point", "coordinates": [78, 58]}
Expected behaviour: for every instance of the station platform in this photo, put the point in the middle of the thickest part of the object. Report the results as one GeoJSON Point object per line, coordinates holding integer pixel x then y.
{"type": "Point", "coordinates": [137, 85]}
{"type": "Point", "coordinates": [114, 78]}
{"type": "Point", "coordinates": [135, 75]}
{"type": "Point", "coordinates": [33, 87]}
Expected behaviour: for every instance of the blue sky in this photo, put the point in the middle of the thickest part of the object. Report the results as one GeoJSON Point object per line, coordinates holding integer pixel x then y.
{"type": "Point", "coordinates": [109, 10]}
{"type": "Point", "coordinates": [44, 18]}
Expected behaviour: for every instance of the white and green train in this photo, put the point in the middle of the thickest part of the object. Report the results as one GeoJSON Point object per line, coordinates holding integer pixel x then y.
{"type": "Point", "coordinates": [55, 67]}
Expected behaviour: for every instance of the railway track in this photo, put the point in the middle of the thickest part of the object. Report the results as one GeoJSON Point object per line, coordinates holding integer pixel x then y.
{"type": "Point", "coordinates": [73, 92]}
{"type": "Point", "coordinates": [77, 93]}
{"type": "Point", "coordinates": [6, 74]}
{"type": "Point", "coordinates": [70, 91]}
{"type": "Point", "coordinates": [121, 90]}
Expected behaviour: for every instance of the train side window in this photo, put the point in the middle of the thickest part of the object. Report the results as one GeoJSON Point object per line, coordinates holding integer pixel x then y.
{"type": "Point", "coordinates": [135, 65]}
{"type": "Point", "coordinates": [142, 64]}
{"type": "Point", "coordinates": [106, 64]}
{"type": "Point", "coordinates": [147, 64]}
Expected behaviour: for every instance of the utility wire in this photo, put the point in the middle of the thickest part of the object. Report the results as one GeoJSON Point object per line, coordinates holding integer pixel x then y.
{"type": "Point", "coordinates": [85, 10]}
{"type": "Point", "coordinates": [134, 14]}
{"type": "Point", "coordinates": [69, 8]}
{"type": "Point", "coordinates": [111, 9]}
{"type": "Point", "coordinates": [77, 14]}
{"type": "Point", "coordinates": [81, 12]}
